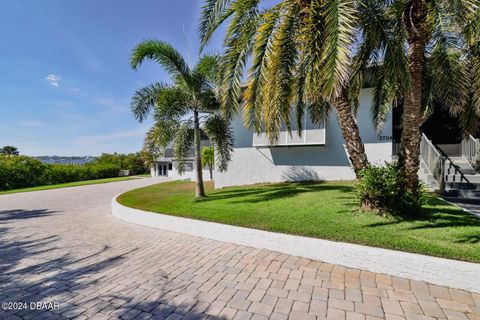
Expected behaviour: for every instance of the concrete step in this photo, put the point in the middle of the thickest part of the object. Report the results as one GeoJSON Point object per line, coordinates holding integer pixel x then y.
{"type": "Point", "coordinates": [459, 164]}
{"type": "Point", "coordinates": [461, 200]}
{"type": "Point", "coordinates": [472, 178]}
{"type": "Point", "coordinates": [462, 186]}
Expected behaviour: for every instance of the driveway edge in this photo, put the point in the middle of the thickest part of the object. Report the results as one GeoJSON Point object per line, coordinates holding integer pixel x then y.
{"type": "Point", "coordinates": [439, 271]}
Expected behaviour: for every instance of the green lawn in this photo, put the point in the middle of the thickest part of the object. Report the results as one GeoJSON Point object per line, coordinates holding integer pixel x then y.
{"type": "Point", "coordinates": [323, 210]}
{"type": "Point", "coordinates": [69, 184]}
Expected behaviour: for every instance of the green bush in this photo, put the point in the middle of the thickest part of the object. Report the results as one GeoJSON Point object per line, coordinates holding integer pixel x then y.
{"type": "Point", "coordinates": [380, 189]}
{"type": "Point", "coordinates": [23, 172]}
{"type": "Point", "coordinates": [61, 173]}
{"type": "Point", "coordinates": [133, 162]}
{"type": "Point", "coordinates": [20, 171]}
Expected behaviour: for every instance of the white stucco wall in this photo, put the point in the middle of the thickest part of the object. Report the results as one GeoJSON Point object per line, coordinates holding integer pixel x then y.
{"type": "Point", "coordinates": [300, 163]}
{"type": "Point", "coordinates": [187, 175]}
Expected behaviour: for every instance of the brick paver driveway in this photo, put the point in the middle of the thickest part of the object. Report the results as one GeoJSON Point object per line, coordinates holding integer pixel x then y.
{"type": "Point", "coordinates": [63, 246]}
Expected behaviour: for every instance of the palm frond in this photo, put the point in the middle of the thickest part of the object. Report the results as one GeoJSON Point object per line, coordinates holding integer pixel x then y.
{"type": "Point", "coordinates": [262, 47]}
{"type": "Point", "coordinates": [206, 70]}
{"type": "Point", "coordinates": [219, 132]}
{"type": "Point", "coordinates": [145, 99]}
{"type": "Point", "coordinates": [331, 33]}
{"type": "Point", "coordinates": [319, 111]}
{"type": "Point", "coordinates": [474, 67]}
{"type": "Point", "coordinates": [280, 71]}
{"type": "Point", "coordinates": [172, 104]}
{"type": "Point", "coordinates": [182, 144]}
{"type": "Point", "coordinates": [163, 53]}
{"type": "Point", "coordinates": [214, 13]}
{"type": "Point", "coordinates": [238, 45]}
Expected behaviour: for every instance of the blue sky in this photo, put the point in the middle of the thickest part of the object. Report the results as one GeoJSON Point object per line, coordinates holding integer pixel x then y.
{"type": "Point", "coordinates": [65, 80]}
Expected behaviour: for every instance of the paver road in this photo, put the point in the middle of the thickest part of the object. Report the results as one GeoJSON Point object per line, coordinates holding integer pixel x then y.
{"type": "Point", "coordinates": [63, 246]}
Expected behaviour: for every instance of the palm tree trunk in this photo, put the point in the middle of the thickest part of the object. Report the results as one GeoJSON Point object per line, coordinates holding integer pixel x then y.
{"type": "Point", "coordinates": [351, 134]}
{"type": "Point", "coordinates": [412, 111]}
{"type": "Point", "coordinates": [412, 119]}
{"type": "Point", "coordinates": [199, 189]}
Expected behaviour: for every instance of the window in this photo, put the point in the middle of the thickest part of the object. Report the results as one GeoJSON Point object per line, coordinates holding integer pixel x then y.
{"type": "Point", "coordinates": [311, 135]}
{"type": "Point", "coordinates": [188, 166]}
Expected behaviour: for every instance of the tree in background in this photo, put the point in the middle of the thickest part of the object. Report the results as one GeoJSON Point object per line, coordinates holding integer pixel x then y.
{"type": "Point", "coordinates": [180, 107]}
{"type": "Point", "coordinates": [133, 162]}
{"type": "Point", "coordinates": [208, 159]}
{"type": "Point", "coordinates": [9, 151]}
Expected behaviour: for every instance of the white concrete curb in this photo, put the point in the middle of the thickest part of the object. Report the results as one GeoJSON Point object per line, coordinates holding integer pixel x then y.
{"type": "Point", "coordinates": [444, 272]}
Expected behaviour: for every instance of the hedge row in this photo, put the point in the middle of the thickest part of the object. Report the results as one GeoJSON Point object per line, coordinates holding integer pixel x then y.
{"type": "Point", "coordinates": [23, 172]}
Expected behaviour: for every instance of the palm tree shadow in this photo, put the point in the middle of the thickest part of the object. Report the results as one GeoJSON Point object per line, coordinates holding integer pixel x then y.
{"type": "Point", "coordinates": [437, 216]}
{"type": "Point", "coordinates": [37, 268]}
{"type": "Point", "coordinates": [19, 214]}
{"type": "Point", "coordinates": [261, 193]}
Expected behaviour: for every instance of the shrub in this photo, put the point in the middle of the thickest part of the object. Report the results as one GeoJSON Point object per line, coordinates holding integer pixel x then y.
{"type": "Point", "coordinates": [24, 172]}
{"type": "Point", "coordinates": [133, 162]}
{"type": "Point", "coordinates": [61, 173]}
{"type": "Point", "coordinates": [20, 172]}
{"type": "Point", "coordinates": [380, 189]}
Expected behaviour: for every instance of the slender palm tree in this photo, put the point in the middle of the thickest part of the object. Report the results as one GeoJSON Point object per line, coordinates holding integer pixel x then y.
{"type": "Point", "coordinates": [9, 151]}
{"type": "Point", "coordinates": [180, 107]}
{"type": "Point", "coordinates": [301, 58]}
{"type": "Point", "coordinates": [441, 64]}
{"type": "Point", "coordinates": [208, 159]}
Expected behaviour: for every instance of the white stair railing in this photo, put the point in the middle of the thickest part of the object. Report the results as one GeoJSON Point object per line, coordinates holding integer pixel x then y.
{"type": "Point", "coordinates": [434, 160]}
{"type": "Point", "coordinates": [471, 150]}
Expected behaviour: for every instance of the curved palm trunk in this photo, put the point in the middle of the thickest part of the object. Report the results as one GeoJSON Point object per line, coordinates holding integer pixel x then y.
{"type": "Point", "coordinates": [351, 133]}
{"type": "Point", "coordinates": [412, 114]}
{"type": "Point", "coordinates": [199, 189]}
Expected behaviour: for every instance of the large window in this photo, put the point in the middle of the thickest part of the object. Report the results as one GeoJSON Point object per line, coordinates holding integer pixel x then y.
{"type": "Point", "coordinates": [310, 135]}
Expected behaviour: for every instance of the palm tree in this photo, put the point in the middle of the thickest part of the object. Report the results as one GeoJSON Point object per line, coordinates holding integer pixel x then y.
{"type": "Point", "coordinates": [208, 159]}
{"type": "Point", "coordinates": [301, 51]}
{"type": "Point", "coordinates": [9, 151]}
{"type": "Point", "coordinates": [180, 106]}
{"type": "Point", "coordinates": [442, 64]}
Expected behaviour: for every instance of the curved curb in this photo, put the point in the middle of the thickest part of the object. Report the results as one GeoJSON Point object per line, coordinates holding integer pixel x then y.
{"type": "Point", "coordinates": [439, 271]}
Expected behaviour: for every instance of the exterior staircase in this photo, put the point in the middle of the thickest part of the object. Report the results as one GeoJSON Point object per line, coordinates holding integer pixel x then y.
{"type": "Point", "coordinates": [453, 177]}
{"type": "Point", "coordinates": [462, 182]}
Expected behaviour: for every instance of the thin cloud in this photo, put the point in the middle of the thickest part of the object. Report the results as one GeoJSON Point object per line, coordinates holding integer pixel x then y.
{"type": "Point", "coordinates": [115, 136]}
{"type": "Point", "coordinates": [54, 80]}
{"type": "Point", "coordinates": [32, 123]}
{"type": "Point", "coordinates": [112, 106]}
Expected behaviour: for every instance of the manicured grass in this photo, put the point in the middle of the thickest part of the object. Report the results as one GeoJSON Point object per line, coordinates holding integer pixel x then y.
{"type": "Point", "coordinates": [69, 184]}
{"type": "Point", "coordinates": [322, 210]}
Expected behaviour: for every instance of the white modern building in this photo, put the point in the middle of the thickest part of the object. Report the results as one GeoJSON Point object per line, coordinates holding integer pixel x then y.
{"type": "Point", "coordinates": [318, 154]}
{"type": "Point", "coordinates": [166, 166]}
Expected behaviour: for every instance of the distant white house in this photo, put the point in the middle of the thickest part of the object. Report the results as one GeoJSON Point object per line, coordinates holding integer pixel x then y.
{"type": "Point", "coordinates": [318, 154]}
{"type": "Point", "coordinates": [166, 166]}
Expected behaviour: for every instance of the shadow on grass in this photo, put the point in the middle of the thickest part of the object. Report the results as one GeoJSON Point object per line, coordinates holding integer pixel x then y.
{"type": "Point", "coordinates": [437, 214]}
{"type": "Point", "coordinates": [274, 192]}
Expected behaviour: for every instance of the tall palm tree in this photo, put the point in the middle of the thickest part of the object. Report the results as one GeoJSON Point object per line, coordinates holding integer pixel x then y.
{"type": "Point", "coordinates": [180, 106]}
{"type": "Point", "coordinates": [301, 53]}
{"type": "Point", "coordinates": [442, 64]}
{"type": "Point", "coordinates": [9, 151]}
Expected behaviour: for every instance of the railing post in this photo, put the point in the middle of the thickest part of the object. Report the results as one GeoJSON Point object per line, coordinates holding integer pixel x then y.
{"type": "Point", "coordinates": [442, 175]}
